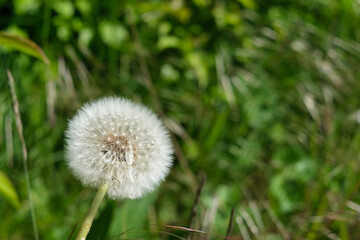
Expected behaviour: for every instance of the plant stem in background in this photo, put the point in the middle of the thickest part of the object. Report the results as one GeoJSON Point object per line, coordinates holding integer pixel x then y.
{"type": "Point", "coordinates": [85, 227]}
{"type": "Point", "coordinates": [231, 223]}
{"type": "Point", "coordinates": [19, 127]}
{"type": "Point", "coordinates": [194, 211]}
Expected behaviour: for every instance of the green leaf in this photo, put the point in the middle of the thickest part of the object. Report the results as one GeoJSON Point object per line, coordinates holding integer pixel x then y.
{"type": "Point", "coordinates": [112, 34]}
{"type": "Point", "coordinates": [23, 45]}
{"type": "Point", "coordinates": [64, 8]}
{"type": "Point", "coordinates": [197, 61]}
{"type": "Point", "coordinates": [168, 42]}
{"type": "Point", "coordinates": [7, 190]}
{"type": "Point", "coordinates": [102, 223]}
{"type": "Point", "coordinates": [248, 4]}
{"type": "Point", "coordinates": [23, 7]}
{"type": "Point", "coordinates": [131, 216]}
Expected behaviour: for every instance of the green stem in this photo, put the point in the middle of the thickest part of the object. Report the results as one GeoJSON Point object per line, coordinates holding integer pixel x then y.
{"type": "Point", "coordinates": [86, 225]}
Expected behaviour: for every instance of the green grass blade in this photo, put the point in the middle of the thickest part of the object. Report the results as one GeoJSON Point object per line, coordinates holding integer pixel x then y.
{"type": "Point", "coordinates": [7, 190]}
{"type": "Point", "coordinates": [23, 45]}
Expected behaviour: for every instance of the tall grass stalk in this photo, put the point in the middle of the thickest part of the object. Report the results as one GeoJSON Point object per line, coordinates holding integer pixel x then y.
{"type": "Point", "coordinates": [19, 127]}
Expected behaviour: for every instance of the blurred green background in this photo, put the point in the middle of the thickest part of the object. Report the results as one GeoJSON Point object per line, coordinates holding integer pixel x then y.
{"type": "Point", "coordinates": [262, 98]}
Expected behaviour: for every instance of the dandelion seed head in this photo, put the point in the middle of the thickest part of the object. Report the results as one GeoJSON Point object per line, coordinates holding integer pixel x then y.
{"type": "Point", "coordinates": [120, 142]}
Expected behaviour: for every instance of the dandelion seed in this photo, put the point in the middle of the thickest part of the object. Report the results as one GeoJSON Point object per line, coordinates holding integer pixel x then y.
{"type": "Point", "coordinates": [118, 157]}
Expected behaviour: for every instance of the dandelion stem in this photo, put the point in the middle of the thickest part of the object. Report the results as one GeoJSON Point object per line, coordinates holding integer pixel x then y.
{"type": "Point", "coordinates": [86, 225]}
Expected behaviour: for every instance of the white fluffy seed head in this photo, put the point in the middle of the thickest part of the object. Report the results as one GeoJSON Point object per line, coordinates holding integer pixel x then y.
{"type": "Point", "coordinates": [120, 142]}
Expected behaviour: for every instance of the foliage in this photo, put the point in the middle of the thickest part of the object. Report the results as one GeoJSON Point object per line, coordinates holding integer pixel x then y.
{"type": "Point", "coordinates": [261, 96]}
